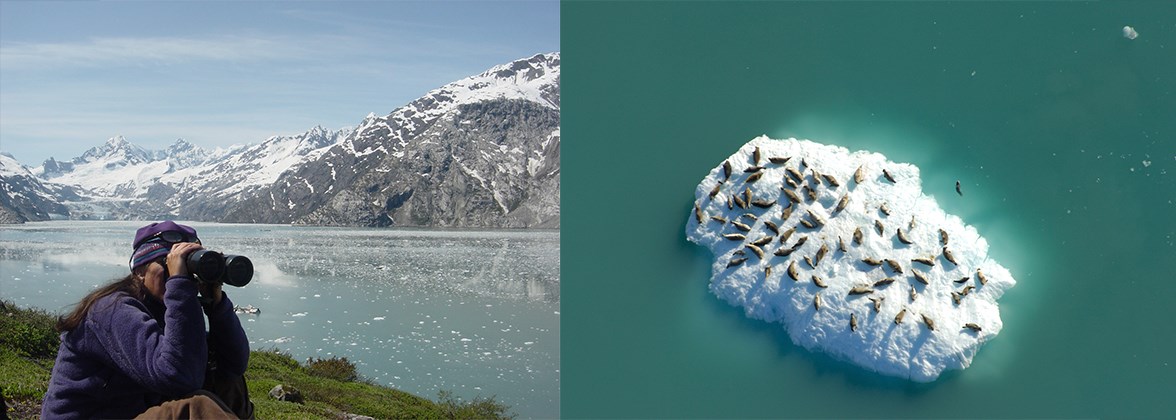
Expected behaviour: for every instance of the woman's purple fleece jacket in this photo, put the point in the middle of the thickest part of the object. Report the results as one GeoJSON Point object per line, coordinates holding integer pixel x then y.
{"type": "Point", "coordinates": [129, 355]}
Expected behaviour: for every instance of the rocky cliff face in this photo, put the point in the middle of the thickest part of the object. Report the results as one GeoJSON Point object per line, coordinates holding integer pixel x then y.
{"type": "Point", "coordinates": [481, 152]}
{"type": "Point", "coordinates": [23, 197]}
{"type": "Point", "coordinates": [490, 164]}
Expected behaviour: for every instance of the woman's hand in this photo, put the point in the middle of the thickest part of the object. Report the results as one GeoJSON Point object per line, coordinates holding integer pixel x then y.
{"type": "Point", "coordinates": [176, 264]}
{"type": "Point", "coordinates": [211, 291]}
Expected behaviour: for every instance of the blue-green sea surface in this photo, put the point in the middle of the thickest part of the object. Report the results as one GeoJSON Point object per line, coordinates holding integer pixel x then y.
{"type": "Point", "coordinates": [1061, 131]}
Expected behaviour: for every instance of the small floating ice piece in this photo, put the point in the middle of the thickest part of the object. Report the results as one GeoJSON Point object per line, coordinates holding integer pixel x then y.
{"type": "Point", "coordinates": [1129, 32]}
{"type": "Point", "coordinates": [930, 338]}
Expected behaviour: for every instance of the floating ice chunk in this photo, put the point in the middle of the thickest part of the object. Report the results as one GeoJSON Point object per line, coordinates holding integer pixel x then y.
{"type": "Point", "coordinates": [920, 308]}
{"type": "Point", "coordinates": [1129, 32]}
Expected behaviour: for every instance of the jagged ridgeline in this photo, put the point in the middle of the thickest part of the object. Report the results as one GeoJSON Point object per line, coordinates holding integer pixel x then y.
{"type": "Point", "coordinates": [479, 152]}
{"type": "Point", "coordinates": [847, 252]}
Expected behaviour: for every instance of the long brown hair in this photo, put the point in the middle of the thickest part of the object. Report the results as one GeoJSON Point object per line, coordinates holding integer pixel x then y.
{"type": "Point", "coordinates": [131, 285]}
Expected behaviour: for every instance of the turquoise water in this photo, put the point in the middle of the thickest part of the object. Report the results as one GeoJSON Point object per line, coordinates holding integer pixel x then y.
{"type": "Point", "coordinates": [1061, 131]}
{"type": "Point", "coordinates": [474, 313]}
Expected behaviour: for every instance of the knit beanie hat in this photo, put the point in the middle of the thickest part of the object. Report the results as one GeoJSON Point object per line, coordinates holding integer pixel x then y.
{"type": "Point", "coordinates": [151, 241]}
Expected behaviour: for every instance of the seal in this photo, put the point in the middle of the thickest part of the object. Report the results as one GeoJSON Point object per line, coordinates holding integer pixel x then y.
{"type": "Point", "coordinates": [791, 196]}
{"type": "Point", "coordinates": [758, 252]}
{"type": "Point", "coordinates": [948, 255]}
{"type": "Point", "coordinates": [787, 234]}
{"type": "Point", "coordinates": [924, 260]}
{"type": "Point", "coordinates": [894, 266]}
{"type": "Point", "coordinates": [922, 278]}
{"type": "Point", "coordinates": [831, 180]}
{"type": "Point", "coordinates": [844, 201]}
{"type": "Point", "coordinates": [930, 322]}
{"type": "Point", "coordinates": [902, 237]}
{"type": "Point", "coordinates": [763, 204]}
{"type": "Point", "coordinates": [861, 290]}
{"type": "Point", "coordinates": [877, 303]}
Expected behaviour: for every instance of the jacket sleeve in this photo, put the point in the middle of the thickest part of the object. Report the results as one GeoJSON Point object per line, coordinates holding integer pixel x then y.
{"type": "Point", "coordinates": [168, 357]}
{"type": "Point", "coordinates": [227, 339]}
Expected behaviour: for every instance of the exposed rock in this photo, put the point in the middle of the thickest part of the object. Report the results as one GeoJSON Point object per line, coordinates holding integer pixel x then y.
{"type": "Point", "coordinates": [286, 393]}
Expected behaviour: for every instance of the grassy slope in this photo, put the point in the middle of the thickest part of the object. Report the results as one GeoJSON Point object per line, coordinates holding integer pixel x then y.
{"type": "Point", "coordinates": [28, 347]}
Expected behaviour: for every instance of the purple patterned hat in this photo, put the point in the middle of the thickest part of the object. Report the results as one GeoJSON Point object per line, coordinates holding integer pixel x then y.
{"type": "Point", "coordinates": [151, 241]}
{"type": "Point", "coordinates": [151, 230]}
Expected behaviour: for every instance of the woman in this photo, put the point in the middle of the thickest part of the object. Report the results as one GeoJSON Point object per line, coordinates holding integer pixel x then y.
{"type": "Point", "coordinates": [137, 347]}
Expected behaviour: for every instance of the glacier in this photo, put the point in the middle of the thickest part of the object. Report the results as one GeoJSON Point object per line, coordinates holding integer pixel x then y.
{"type": "Point", "coordinates": [847, 252]}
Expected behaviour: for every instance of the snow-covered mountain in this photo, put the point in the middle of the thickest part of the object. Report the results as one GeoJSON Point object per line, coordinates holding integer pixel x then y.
{"type": "Point", "coordinates": [24, 197]}
{"type": "Point", "coordinates": [479, 152]}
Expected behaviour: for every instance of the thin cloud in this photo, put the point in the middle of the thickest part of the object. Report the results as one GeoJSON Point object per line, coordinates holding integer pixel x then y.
{"type": "Point", "coordinates": [105, 52]}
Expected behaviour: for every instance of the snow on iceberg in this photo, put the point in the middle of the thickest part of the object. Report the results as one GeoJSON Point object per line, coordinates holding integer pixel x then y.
{"type": "Point", "coordinates": [1129, 32]}
{"type": "Point", "coordinates": [847, 252]}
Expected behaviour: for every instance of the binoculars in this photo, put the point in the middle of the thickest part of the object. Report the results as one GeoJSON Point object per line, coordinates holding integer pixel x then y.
{"type": "Point", "coordinates": [213, 267]}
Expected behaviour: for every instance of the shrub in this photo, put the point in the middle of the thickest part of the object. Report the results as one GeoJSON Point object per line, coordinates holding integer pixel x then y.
{"type": "Point", "coordinates": [337, 368]}
{"type": "Point", "coordinates": [28, 331]}
{"type": "Point", "coordinates": [479, 408]}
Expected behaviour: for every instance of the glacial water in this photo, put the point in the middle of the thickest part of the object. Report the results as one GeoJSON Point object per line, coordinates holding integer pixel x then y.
{"type": "Point", "coordinates": [1061, 131]}
{"type": "Point", "coordinates": [475, 313]}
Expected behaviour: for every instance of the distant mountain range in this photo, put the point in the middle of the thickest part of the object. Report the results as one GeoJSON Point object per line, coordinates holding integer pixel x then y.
{"type": "Point", "coordinates": [481, 152]}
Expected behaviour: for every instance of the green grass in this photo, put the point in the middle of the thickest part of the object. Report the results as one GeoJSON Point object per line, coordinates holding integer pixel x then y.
{"type": "Point", "coordinates": [329, 387]}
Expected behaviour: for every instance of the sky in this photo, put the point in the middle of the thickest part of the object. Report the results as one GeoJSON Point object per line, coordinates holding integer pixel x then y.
{"type": "Point", "coordinates": [74, 74]}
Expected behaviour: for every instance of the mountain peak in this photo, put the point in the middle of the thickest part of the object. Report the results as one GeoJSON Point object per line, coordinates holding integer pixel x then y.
{"type": "Point", "coordinates": [115, 148]}
{"type": "Point", "coordinates": [526, 69]}
{"type": "Point", "coordinates": [117, 141]}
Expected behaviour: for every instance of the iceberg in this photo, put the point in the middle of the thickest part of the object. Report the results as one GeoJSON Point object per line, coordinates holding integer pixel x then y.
{"type": "Point", "coordinates": [1129, 32]}
{"type": "Point", "coordinates": [847, 252]}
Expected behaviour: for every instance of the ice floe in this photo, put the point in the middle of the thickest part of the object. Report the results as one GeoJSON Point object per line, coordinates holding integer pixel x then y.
{"type": "Point", "coordinates": [1129, 32]}
{"type": "Point", "coordinates": [847, 252]}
